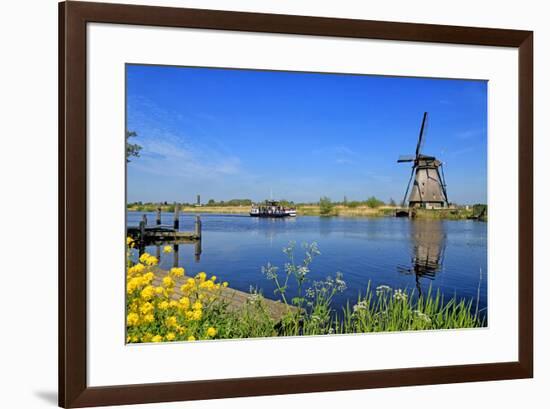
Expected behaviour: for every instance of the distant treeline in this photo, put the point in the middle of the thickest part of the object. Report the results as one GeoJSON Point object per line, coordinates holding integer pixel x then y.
{"type": "Point", "coordinates": [371, 202]}
{"type": "Point", "coordinates": [325, 203]}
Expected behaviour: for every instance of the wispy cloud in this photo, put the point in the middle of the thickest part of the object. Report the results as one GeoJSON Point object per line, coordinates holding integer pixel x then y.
{"type": "Point", "coordinates": [165, 158]}
{"type": "Point", "coordinates": [340, 155]}
{"type": "Point", "coordinates": [169, 150]}
{"type": "Point", "coordinates": [470, 133]}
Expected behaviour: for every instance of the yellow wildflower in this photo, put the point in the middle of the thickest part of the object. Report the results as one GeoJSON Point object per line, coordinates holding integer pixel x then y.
{"type": "Point", "coordinates": [225, 284]}
{"type": "Point", "coordinates": [168, 282]}
{"type": "Point", "coordinates": [171, 321]}
{"type": "Point", "coordinates": [167, 249]}
{"type": "Point", "coordinates": [136, 269]}
{"type": "Point", "coordinates": [197, 315]}
{"type": "Point", "coordinates": [148, 277]}
{"type": "Point", "coordinates": [147, 293]}
{"type": "Point", "coordinates": [146, 308]}
{"type": "Point", "coordinates": [129, 240]}
{"type": "Point", "coordinates": [133, 284]}
{"type": "Point", "coordinates": [151, 261]}
{"type": "Point", "coordinates": [177, 271]}
{"type": "Point", "coordinates": [170, 336]}
{"type": "Point", "coordinates": [211, 332]}
{"type": "Point", "coordinates": [163, 305]}
{"type": "Point", "coordinates": [132, 319]}
{"type": "Point", "coordinates": [197, 305]}
{"type": "Point", "coordinates": [157, 338]}
{"type": "Point", "coordinates": [207, 284]}
{"type": "Point", "coordinates": [201, 276]}
{"type": "Point", "coordinates": [184, 303]}
{"type": "Point", "coordinates": [144, 257]}
{"type": "Point", "coordinates": [191, 338]}
{"type": "Point", "coordinates": [149, 318]}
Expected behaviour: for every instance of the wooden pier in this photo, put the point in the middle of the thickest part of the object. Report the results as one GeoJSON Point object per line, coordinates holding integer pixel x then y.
{"type": "Point", "coordinates": [164, 232]}
{"type": "Point", "coordinates": [158, 234]}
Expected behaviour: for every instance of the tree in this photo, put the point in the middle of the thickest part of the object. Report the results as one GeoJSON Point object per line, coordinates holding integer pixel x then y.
{"type": "Point", "coordinates": [132, 149]}
{"type": "Point", "coordinates": [325, 206]}
{"type": "Point", "coordinates": [373, 202]}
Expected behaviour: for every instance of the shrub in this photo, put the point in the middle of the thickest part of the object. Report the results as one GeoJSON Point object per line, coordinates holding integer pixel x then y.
{"type": "Point", "coordinates": [326, 207]}
{"type": "Point", "coordinates": [373, 202]}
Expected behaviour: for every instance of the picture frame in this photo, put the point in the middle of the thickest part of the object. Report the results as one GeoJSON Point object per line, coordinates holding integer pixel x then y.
{"type": "Point", "coordinates": [74, 17]}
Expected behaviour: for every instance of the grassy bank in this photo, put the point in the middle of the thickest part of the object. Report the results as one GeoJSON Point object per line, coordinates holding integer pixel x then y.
{"type": "Point", "coordinates": [315, 210]}
{"type": "Point", "coordinates": [154, 315]}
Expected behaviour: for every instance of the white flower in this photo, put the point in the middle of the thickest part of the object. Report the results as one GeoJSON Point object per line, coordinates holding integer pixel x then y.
{"type": "Point", "coordinates": [423, 316]}
{"type": "Point", "coordinates": [361, 305]}
{"type": "Point", "coordinates": [381, 289]}
{"type": "Point", "coordinates": [399, 295]}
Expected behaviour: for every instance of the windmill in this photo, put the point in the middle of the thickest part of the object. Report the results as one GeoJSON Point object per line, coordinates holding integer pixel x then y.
{"type": "Point", "coordinates": [429, 188]}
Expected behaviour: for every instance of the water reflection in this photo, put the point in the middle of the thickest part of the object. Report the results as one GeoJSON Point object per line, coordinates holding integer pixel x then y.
{"type": "Point", "coordinates": [142, 247]}
{"type": "Point", "coordinates": [428, 241]}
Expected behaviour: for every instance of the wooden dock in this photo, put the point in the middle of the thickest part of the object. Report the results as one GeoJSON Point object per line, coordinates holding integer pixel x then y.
{"type": "Point", "coordinates": [234, 298]}
{"type": "Point", "coordinates": [162, 232]}
{"type": "Point", "coordinates": [158, 234]}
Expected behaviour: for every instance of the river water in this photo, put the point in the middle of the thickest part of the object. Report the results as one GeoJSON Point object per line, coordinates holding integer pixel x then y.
{"type": "Point", "coordinates": [447, 255]}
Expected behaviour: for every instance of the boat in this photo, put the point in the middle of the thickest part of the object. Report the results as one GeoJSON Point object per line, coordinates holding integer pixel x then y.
{"type": "Point", "coordinates": [272, 208]}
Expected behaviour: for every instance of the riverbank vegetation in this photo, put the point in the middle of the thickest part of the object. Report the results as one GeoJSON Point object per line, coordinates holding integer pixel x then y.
{"type": "Point", "coordinates": [372, 207]}
{"type": "Point", "coordinates": [170, 306]}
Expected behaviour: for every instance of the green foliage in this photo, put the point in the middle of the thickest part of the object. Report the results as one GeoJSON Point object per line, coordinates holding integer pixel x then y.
{"type": "Point", "coordinates": [132, 149]}
{"type": "Point", "coordinates": [326, 207]}
{"type": "Point", "coordinates": [373, 202]}
{"type": "Point", "coordinates": [232, 202]}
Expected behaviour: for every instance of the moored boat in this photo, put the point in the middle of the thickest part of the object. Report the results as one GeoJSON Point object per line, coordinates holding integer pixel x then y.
{"type": "Point", "coordinates": [272, 208]}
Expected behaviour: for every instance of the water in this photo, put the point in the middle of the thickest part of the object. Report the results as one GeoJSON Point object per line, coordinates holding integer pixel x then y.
{"type": "Point", "coordinates": [398, 252]}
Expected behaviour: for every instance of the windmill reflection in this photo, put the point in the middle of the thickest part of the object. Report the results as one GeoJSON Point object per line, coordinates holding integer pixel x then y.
{"type": "Point", "coordinates": [427, 250]}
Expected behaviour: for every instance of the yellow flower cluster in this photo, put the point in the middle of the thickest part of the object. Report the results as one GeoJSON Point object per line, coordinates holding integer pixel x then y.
{"type": "Point", "coordinates": [158, 312]}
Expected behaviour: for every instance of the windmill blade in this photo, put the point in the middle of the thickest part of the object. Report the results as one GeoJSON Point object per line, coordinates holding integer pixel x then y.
{"type": "Point", "coordinates": [421, 135]}
{"type": "Point", "coordinates": [444, 183]}
{"type": "Point", "coordinates": [405, 158]}
{"type": "Point", "coordinates": [408, 186]}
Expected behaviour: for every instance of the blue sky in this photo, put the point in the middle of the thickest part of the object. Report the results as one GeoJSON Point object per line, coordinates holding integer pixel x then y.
{"type": "Point", "coordinates": [228, 134]}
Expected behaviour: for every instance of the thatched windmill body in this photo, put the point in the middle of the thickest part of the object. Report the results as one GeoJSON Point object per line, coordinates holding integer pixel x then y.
{"type": "Point", "coordinates": [428, 188]}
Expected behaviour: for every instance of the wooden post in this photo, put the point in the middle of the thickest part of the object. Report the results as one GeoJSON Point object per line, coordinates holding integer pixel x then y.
{"type": "Point", "coordinates": [176, 217]}
{"type": "Point", "coordinates": [158, 252]}
{"type": "Point", "coordinates": [198, 250]}
{"type": "Point", "coordinates": [158, 215]}
{"type": "Point", "coordinates": [176, 254]}
{"type": "Point", "coordinates": [198, 227]}
{"type": "Point", "coordinates": [142, 225]}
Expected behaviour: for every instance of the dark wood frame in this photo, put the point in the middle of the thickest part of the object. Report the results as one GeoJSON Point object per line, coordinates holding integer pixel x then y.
{"type": "Point", "coordinates": [73, 388]}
